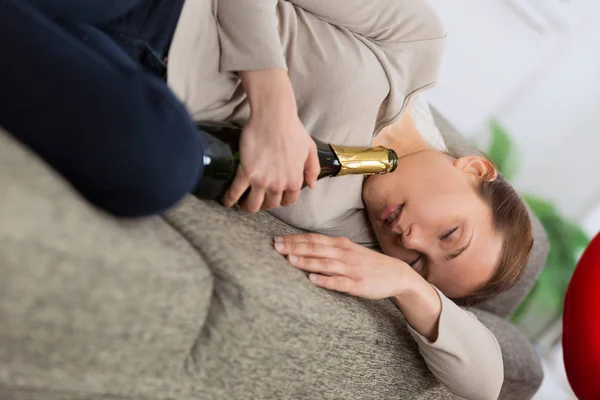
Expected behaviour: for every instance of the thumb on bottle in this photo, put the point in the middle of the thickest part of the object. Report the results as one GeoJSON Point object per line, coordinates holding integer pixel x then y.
{"type": "Point", "coordinates": [312, 168]}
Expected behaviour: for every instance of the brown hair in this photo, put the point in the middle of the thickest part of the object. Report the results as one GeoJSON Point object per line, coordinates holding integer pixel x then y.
{"type": "Point", "coordinates": [511, 220]}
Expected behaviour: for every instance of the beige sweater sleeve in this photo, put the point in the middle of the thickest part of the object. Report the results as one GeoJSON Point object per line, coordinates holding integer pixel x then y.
{"type": "Point", "coordinates": [249, 35]}
{"type": "Point", "coordinates": [466, 357]}
{"type": "Point", "coordinates": [382, 21]}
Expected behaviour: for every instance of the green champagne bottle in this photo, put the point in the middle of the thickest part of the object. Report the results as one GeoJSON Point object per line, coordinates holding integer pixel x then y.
{"type": "Point", "coordinates": [221, 159]}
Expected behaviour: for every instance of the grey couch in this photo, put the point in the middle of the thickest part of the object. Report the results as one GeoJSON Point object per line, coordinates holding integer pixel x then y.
{"type": "Point", "coordinates": [195, 305]}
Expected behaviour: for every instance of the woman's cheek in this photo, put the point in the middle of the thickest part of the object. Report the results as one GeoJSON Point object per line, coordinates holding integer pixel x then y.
{"type": "Point", "coordinates": [395, 250]}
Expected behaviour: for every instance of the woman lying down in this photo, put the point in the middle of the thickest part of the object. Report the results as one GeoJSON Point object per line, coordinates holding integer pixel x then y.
{"type": "Point", "coordinates": [450, 229]}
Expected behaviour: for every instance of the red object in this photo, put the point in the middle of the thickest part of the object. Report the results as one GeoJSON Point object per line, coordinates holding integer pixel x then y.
{"type": "Point", "coordinates": [581, 325]}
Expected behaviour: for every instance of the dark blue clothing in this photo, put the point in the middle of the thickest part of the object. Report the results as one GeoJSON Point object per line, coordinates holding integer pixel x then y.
{"type": "Point", "coordinates": [82, 84]}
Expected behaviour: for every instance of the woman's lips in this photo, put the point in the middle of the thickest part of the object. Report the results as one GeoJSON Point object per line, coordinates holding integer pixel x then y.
{"type": "Point", "coordinates": [395, 220]}
{"type": "Point", "coordinates": [385, 214]}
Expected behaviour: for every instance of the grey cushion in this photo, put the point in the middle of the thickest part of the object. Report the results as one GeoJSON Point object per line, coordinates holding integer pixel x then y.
{"type": "Point", "coordinates": [523, 372]}
{"type": "Point", "coordinates": [322, 344]}
{"type": "Point", "coordinates": [193, 306]}
{"type": "Point", "coordinates": [89, 304]}
{"type": "Point", "coordinates": [272, 334]}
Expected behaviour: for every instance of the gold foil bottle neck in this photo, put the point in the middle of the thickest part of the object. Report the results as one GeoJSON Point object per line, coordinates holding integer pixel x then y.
{"type": "Point", "coordinates": [365, 160]}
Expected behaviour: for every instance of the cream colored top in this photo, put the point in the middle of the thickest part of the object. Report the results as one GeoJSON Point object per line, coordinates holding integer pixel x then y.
{"type": "Point", "coordinates": [354, 65]}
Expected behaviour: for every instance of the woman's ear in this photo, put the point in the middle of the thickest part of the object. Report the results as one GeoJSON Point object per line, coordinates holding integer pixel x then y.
{"type": "Point", "coordinates": [479, 167]}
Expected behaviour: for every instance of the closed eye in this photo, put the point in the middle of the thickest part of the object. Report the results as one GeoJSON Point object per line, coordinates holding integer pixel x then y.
{"type": "Point", "coordinates": [449, 233]}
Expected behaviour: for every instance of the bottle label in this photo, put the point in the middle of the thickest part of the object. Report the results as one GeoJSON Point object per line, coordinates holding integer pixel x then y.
{"type": "Point", "coordinates": [363, 160]}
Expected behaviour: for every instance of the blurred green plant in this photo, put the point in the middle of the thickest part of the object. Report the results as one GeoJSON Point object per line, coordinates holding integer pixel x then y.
{"type": "Point", "coordinates": [543, 305]}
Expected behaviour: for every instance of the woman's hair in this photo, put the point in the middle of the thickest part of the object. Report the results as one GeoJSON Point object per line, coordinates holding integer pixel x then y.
{"type": "Point", "coordinates": [511, 220]}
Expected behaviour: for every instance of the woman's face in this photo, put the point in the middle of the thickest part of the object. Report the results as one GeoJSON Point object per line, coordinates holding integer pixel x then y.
{"type": "Point", "coordinates": [428, 214]}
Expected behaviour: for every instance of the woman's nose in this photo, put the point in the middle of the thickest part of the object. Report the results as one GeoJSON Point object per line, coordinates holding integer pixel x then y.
{"type": "Point", "coordinates": [413, 237]}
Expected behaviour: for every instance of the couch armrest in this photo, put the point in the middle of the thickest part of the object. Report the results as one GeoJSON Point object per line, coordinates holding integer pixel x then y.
{"type": "Point", "coordinates": [522, 368]}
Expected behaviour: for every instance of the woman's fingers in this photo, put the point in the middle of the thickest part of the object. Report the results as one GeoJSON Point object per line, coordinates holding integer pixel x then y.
{"type": "Point", "coordinates": [340, 242]}
{"type": "Point", "coordinates": [254, 201]}
{"type": "Point", "coordinates": [325, 266]}
{"type": "Point", "coordinates": [240, 184]}
{"type": "Point", "coordinates": [309, 249]}
{"type": "Point", "coordinates": [272, 200]}
{"type": "Point", "coordinates": [337, 283]}
{"type": "Point", "coordinates": [290, 197]}
{"type": "Point", "coordinates": [312, 168]}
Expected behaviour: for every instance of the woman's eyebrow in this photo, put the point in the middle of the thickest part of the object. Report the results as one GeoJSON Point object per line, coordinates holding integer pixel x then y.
{"type": "Point", "coordinates": [458, 252]}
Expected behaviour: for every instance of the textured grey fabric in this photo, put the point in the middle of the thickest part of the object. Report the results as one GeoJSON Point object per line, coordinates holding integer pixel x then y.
{"type": "Point", "coordinates": [88, 304]}
{"type": "Point", "coordinates": [506, 303]}
{"type": "Point", "coordinates": [271, 334]}
{"type": "Point", "coordinates": [193, 306]}
{"type": "Point", "coordinates": [522, 369]}
{"type": "Point", "coordinates": [267, 314]}
{"type": "Point", "coordinates": [33, 394]}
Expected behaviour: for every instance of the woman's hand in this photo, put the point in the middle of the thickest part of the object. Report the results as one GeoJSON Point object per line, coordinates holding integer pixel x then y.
{"type": "Point", "coordinates": [337, 263]}
{"type": "Point", "coordinates": [277, 154]}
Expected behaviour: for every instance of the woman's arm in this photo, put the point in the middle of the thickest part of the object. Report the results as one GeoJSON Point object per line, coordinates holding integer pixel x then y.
{"type": "Point", "coordinates": [249, 32]}
{"type": "Point", "coordinates": [277, 154]}
{"type": "Point", "coordinates": [249, 35]}
{"type": "Point", "coordinates": [422, 307]}
{"type": "Point", "coordinates": [458, 349]}
{"type": "Point", "coordinates": [382, 21]}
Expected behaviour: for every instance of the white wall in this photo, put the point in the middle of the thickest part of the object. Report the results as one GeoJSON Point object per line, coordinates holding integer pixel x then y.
{"type": "Point", "coordinates": [537, 70]}
{"type": "Point", "coordinates": [491, 50]}
{"type": "Point", "coordinates": [556, 122]}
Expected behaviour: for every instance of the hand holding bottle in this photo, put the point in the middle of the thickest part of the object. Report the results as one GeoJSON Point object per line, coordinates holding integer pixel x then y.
{"type": "Point", "coordinates": [222, 157]}
{"type": "Point", "coordinates": [277, 154]}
